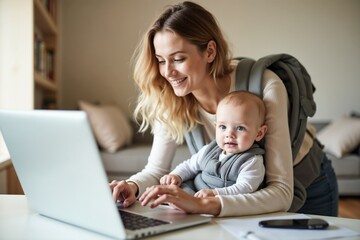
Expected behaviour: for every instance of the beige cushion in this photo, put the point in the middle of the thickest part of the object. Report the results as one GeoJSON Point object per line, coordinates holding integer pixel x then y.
{"type": "Point", "coordinates": [341, 136]}
{"type": "Point", "coordinates": [111, 127]}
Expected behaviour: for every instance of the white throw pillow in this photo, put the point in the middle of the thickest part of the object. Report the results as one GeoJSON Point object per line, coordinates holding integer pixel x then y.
{"type": "Point", "coordinates": [341, 136]}
{"type": "Point", "coordinates": [111, 127]}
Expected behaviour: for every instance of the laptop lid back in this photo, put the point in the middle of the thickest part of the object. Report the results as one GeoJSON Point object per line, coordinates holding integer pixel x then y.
{"type": "Point", "coordinates": [47, 149]}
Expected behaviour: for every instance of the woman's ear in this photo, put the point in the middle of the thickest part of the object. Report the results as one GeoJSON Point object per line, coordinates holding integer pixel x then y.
{"type": "Point", "coordinates": [261, 133]}
{"type": "Point", "coordinates": [211, 51]}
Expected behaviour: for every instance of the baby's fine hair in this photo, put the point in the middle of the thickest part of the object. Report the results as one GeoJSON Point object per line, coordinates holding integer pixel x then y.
{"type": "Point", "coordinates": [239, 97]}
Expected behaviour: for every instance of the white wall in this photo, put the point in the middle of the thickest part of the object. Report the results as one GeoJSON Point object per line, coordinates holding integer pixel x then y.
{"type": "Point", "coordinates": [99, 37]}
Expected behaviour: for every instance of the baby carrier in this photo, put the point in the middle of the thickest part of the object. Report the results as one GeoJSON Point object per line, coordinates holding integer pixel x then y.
{"type": "Point", "coordinates": [300, 91]}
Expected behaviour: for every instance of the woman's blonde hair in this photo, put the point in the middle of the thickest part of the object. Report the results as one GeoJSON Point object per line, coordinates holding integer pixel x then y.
{"type": "Point", "coordinates": [157, 100]}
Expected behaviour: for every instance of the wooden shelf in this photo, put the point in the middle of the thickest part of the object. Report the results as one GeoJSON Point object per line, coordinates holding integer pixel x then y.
{"type": "Point", "coordinates": [45, 83]}
{"type": "Point", "coordinates": [43, 20]}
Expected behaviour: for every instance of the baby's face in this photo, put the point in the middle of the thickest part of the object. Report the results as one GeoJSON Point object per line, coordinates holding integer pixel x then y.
{"type": "Point", "coordinates": [236, 127]}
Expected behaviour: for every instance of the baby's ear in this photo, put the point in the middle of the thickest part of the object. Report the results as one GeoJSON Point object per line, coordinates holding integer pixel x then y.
{"type": "Point", "coordinates": [261, 132]}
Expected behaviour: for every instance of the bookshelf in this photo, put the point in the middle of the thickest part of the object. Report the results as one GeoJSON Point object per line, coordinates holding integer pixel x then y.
{"type": "Point", "coordinates": [46, 88]}
{"type": "Point", "coordinates": [29, 60]}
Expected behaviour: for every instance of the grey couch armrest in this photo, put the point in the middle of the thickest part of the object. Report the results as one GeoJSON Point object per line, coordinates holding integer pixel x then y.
{"type": "Point", "coordinates": [347, 168]}
{"type": "Point", "coordinates": [319, 125]}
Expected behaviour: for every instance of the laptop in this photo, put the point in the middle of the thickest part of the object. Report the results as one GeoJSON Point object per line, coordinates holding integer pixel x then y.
{"type": "Point", "coordinates": [58, 163]}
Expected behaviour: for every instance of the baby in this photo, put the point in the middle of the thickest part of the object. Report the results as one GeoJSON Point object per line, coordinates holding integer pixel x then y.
{"type": "Point", "coordinates": [233, 163]}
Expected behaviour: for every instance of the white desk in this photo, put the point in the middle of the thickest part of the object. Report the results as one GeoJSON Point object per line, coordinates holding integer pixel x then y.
{"type": "Point", "coordinates": [18, 221]}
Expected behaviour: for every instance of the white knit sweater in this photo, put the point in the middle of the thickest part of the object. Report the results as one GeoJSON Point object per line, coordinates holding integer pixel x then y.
{"type": "Point", "coordinates": [278, 194]}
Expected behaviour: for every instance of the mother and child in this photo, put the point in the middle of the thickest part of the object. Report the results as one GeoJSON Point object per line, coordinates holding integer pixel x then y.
{"type": "Point", "coordinates": [186, 78]}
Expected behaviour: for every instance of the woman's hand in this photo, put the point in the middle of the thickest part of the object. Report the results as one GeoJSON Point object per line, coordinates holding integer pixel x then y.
{"type": "Point", "coordinates": [174, 195]}
{"type": "Point", "coordinates": [124, 191]}
{"type": "Point", "coordinates": [205, 193]}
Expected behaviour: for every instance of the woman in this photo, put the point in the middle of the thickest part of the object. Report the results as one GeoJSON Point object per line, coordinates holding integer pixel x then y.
{"type": "Point", "coordinates": [183, 69]}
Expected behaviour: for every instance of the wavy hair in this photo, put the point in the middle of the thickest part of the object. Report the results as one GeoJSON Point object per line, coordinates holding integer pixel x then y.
{"type": "Point", "coordinates": [157, 100]}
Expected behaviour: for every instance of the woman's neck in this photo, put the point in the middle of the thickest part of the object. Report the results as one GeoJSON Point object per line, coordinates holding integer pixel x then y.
{"type": "Point", "coordinates": [211, 93]}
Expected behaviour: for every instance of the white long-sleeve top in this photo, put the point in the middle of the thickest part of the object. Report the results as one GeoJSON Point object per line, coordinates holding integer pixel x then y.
{"type": "Point", "coordinates": [278, 194]}
{"type": "Point", "coordinates": [250, 174]}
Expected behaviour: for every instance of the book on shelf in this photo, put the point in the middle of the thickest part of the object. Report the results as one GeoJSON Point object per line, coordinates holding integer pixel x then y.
{"type": "Point", "coordinates": [44, 58]}
{"type": "Point", "coordinates": [49, 103]}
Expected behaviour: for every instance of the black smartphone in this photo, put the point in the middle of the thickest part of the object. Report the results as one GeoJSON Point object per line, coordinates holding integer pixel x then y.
{"type": "Point", "coordinates": [311, 223]}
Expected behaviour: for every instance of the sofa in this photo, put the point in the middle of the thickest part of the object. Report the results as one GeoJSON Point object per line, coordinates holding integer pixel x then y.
{"type": "Point", "coordinates": [132, 159]}
{"type": "Point", "coordinates": [125, 151]}
{"type": "Point", "coordinates": [347, 170]}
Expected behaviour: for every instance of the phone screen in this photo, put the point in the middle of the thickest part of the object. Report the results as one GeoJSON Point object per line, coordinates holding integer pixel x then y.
{"type": "Point", "coordinates": [313, 223]}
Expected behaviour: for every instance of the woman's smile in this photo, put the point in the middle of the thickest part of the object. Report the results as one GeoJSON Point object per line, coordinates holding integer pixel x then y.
{"type": "Point", "coordinates": [177, 82]}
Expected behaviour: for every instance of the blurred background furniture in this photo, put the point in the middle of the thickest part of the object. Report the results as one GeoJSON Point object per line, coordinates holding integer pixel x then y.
{"type": "Point", "coordinates": [132, 158]}
{"type": "Point", "coordinates": [341, 139]}
{"type": "Point", "coordinates": [125, 151]}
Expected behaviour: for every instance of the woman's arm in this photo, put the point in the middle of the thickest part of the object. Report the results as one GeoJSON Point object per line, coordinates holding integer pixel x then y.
{"type": "Point", "coordinates": [159, 161]}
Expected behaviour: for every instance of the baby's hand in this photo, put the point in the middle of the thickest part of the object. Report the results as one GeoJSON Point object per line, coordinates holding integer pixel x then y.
{"type": "Point", "coordinates": [205, 193]}
{"type": "Point", "coordinates": [170, 179]}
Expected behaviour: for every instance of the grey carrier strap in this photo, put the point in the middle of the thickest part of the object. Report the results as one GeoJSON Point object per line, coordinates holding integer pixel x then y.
{"type": "Point", "coordinates": [298, 84]}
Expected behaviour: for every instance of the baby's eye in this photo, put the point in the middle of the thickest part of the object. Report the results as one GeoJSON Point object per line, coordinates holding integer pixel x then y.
{"type": "Point", "coordinates": [222, 127]}
{"type": "Point", "coordinates": [240, 128]}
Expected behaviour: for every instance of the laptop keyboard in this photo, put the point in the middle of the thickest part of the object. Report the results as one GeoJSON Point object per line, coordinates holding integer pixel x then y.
{"type": "Point", "coordinates": [133, 221]}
